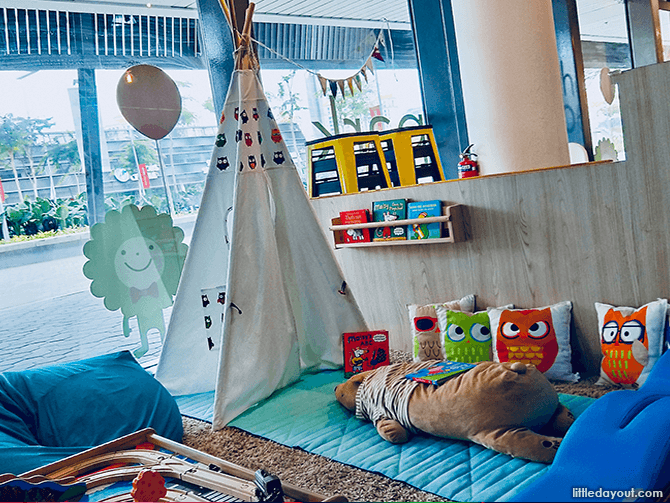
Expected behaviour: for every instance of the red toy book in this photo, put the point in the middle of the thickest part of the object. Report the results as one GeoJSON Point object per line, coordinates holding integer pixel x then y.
{"type": "Point", "coordinates": [365, 351]}
{"type": "Point", "coordinates": [355, 217]}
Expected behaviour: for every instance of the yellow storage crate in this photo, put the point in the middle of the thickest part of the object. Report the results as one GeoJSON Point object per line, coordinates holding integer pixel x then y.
{"type": "Point", "coordinates": [346, 163]}
{"type": "Point", "coordinates": [411, 155]}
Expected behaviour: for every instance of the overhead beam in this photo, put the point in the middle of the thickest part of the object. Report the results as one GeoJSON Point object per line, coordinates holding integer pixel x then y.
{"type": "Point", "coordinates": [218, 46]}
{"type": "Point", "coordinates": [88, 104]}
{"type": "Point", "coordinates": [569, 47]}
{"type": "Point", "coordinates": [644, 32]}
{"type": "Point", "coordinates": [439, 75]}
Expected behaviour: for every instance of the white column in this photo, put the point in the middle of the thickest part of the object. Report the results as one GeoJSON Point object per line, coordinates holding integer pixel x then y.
{"type": "Point", "coordinates": [511, 84]}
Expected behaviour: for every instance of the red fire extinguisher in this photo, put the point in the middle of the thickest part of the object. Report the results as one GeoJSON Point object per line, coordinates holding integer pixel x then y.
{"type": "Point", "coordinates": [468, 166]}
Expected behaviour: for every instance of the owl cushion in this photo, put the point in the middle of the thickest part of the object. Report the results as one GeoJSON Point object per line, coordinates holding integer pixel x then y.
{"type": "Point", "coordinates": [466, 336]}
{"type": "Point", "coordinates": [631, 341]}
{"type": "Point", "coordinates": [425, 329]}
{"type": "Point", "coordinates": [540, 337]}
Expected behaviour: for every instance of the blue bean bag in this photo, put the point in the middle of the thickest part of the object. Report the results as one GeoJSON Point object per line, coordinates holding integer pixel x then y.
{"type": "Point", "coordinates": [49, 413]}
{"type": "Point", "coordinates": [620, 442]}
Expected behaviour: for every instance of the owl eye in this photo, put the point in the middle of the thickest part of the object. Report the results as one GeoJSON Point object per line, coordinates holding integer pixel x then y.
{"type": "Point", "coordinates": [509, 330]}
{"type": "Point", "coordinates": [610, 329]}
{"type": "Point", "coordinates": [632, 331]}
{"type": "Point", "coordinates": [480, 333]}
{"type": "Point", "coordinates": [538, 329]}
{"type": "Point", "coordinates": [455, 333]}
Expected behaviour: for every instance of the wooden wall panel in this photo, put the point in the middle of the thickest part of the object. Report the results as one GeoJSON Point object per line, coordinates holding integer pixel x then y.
{"type": "Point", "coordinates": [586, 233]}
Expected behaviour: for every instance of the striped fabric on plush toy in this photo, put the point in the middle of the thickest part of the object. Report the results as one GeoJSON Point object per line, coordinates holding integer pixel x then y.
{"type": "Point", "coordinates": [385, 394]}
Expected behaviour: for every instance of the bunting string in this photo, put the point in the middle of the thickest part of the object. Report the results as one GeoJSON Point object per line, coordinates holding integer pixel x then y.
{"type": "Point", "coordinates": [338, 85]}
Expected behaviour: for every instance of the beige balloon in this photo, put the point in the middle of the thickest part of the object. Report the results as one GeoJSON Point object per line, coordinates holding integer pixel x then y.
{"type": "Point", "coordinates": [149, 100]}
{"type": "Point", "coordinates": [606, 85]}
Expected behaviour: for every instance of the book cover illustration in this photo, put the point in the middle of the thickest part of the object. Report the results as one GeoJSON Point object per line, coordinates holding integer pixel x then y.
{"type": "Point", "coordinates": [440, 372]}
{"type": "Point", "coordinates": [388, 211]}
{"type": "Point", "coordinates": [423, 209]}
{"type": "Point", "coordinates": [365, 351]}
{"type": "Point", "coordinates": [355, 217]}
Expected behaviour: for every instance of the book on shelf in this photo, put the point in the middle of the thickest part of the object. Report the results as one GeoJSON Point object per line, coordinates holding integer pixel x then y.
{"type": "Point", "coordinates": [365, 351]}
{"type": "Point", "coordinates": [388, 211]}
{"type": "Point", "coordinates": [440, 372]}
{"type": "Point", "coordinates": [423, 209]}
{"type": "Point", "coordinates": [355, 217]}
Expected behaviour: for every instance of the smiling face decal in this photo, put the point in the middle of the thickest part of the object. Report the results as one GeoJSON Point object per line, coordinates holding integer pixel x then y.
{"type": "Point", "coordinates": [139, 262]}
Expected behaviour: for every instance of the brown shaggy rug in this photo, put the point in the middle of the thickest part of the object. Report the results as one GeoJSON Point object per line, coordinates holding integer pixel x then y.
{"type": "Point", "coordinates": [316, 473]}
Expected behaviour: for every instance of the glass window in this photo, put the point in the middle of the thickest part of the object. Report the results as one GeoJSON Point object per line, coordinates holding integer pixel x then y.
{"type": "Point", "coordinates": [186, 149]}
{"type": "Point", "coordinates": [295, 68]}
{"type": "Point", "coordinates": [664, 18]}
{"type": "Point", "coordinates": [45, 300]}
{"type": "Point", "coordinates": [605, 44]}
{"type": "Point", "coordinates": [296, 98]}
{"type": "Point", "coordinates": [47, 312]}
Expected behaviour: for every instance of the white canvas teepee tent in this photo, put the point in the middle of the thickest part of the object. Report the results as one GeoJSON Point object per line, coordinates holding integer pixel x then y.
{"type": "Point", "coordinates": [261, 296]}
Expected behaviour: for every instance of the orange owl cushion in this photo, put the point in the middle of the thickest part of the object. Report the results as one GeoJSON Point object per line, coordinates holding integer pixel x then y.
{"type": "Point", "coordinates": [631, 341]}
{"type": "Point", "coordinates": [537, 336]}
{"type": "Point", "coordinates": [423, 322]}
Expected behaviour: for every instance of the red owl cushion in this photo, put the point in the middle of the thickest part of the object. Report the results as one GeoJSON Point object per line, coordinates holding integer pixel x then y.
{"type": "Point", "coordinates": [537, 336]}
{"type": "Point", "coordinates": [631, 341]}
{"type": "Point", "coordinates": [425, 330]}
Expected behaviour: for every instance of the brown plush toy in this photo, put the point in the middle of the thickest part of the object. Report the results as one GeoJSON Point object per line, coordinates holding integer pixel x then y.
{"type": "Point", "coordinates": [508, 407]}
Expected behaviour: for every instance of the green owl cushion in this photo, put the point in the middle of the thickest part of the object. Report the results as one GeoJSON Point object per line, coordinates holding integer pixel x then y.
{"type": "Point", "coordinates": [467, 336]}
{"type": "Point", "coordinates": [425, 327]}
{"type": "Point", "coordinates": [631, 341]}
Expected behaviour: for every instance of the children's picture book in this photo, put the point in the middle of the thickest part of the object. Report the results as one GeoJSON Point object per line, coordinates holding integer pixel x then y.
{"type": "Point", "coordinates": [365, 351]}
{"type": "Point", "coordinates": [388, 211]}
{"type": "Point", "coordinates": [423, 209]}
{"type": "Point", "coordinates": [440, 372]}
{"type": "Point", "coordinates": [355, 217]}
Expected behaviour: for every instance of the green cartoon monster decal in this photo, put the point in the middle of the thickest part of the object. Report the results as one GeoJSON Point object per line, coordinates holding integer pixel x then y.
{"type": "Point", "coordinates": [135, 261]}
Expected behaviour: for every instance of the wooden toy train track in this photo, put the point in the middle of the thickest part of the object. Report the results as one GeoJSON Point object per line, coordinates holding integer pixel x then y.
{"type": "Point", "coordinates": [114, 472]}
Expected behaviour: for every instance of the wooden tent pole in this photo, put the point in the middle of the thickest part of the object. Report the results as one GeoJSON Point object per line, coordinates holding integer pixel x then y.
{"type": "Point", "coordinates": [248, 15]}
{"type": "Point", "coordinates": [226, 12]}
{"type": "Point", "coordinates": [247, 59]}
{"type": "Point", "coordinates": [230, 18]}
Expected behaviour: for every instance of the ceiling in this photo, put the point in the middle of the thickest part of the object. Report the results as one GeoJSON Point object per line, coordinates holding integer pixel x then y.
{"type": "Point", "coordinates": [357, 13]}
{"type": "Point", "coordinates": [599, 20]}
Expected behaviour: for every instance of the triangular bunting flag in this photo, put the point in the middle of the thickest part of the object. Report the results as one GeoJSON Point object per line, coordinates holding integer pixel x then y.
{"type": "Point", "coordinates": [368, 63]}
{"type": "Point", "coordinates": [341, 84]}
{"type": "Point", "coordinates": [376, 54]}
{"type": "Point", "coordinates": [333, 88]}
{"type": "Point", "coordinates": [364, 74]}
{"type": "Point", "coordinates": [357, 80]}
{"type": "Point", "coordinates": [350, 81]}
{"type": "Point", "coordinates": [324, 84]}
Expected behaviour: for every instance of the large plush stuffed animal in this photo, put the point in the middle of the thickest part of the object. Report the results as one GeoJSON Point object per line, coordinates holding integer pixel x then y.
{"type": "Point", "coordinates": [508, 407]}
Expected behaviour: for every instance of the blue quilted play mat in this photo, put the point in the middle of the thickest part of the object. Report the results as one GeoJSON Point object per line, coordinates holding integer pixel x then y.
{"type": "Point", "coordinates": [306, 415]}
